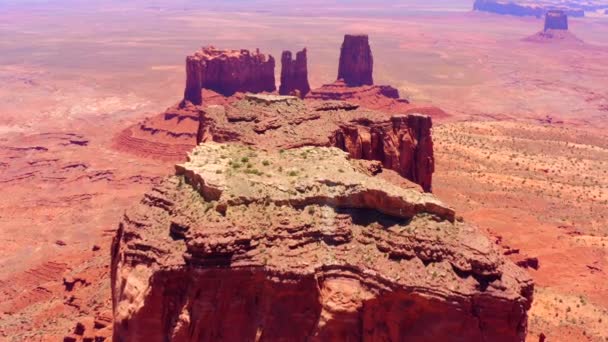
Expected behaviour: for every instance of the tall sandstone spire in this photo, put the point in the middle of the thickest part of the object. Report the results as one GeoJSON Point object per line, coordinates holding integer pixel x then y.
{"type": "Point", "coordinates": [356, 61]}
{"type": "Point", "coordinates": [294, 74]}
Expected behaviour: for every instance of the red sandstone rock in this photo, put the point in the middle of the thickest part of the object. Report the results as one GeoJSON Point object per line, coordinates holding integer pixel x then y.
{"type": "Point", "coordinates": [231, 71]}
{"type": "Point", "coordinates": [286, 250]}
{"type": "Point", "coordinates": [556, 20]}
{"type": "Point", "coordinates": [555, 30]}
{"type": "Point", "coordinates": [294, 74]}
{"type": "Point", "coordinates": [404, 144]}
{"type": "Point", "coordinates": [194, 81]}
{"type": "Point", "coordinates": [356, 61]}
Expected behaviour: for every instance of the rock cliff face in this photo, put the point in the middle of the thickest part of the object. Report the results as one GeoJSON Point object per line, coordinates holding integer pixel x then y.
{"type": "Point", "coordinates": [294, 74]}
{"type": "Point", "coordinates": [404, 144]}
{"type": "Point", "coordinates": [555, 30]}
{"type": "Point", "coordinates": [556, 20]}
{"type": "Point", "coordinates": [305, 245]}
{"type": "Point", "coordinates": [230, 71]}
{"type": "Point", "coordinates": [356, 61]}
{"type": "Point", "coordinates": [194, 81]}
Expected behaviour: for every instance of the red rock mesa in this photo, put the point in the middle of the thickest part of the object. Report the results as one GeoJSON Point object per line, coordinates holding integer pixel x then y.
{"type": "Point", "coordinates": [356, 61]}
{"type": "Point", "coordinates": [305, 245]}
{"type": "Point", "coordinates": [230, 71]}
{"type": "Point", "coordinates": [294, 74]}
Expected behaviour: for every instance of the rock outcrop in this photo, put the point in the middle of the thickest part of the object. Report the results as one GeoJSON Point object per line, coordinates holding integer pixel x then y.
{"type": "Point", "coordinates": [169, 135]}
{"type": "Point", "coordinates": [555, 30]}
{"type": "Point", "coordinates": [356, 62]}
{"type": "Point", "coordinates": [377, 97]}
{"type": "Point", "coordinates": [556, 20]}
{"type": "Point", "coordinates": [194, 81]}
{"type": "Point", "coordinates": [404, 144]}
{"type": "Point", "coordinates": [230, 71]}
{"type": "Point", "coordinates": [294, 74]}
{"type": "Point", "coordinates": [305, 245]}
{"type": "Point", "coordinates": [538, 8]}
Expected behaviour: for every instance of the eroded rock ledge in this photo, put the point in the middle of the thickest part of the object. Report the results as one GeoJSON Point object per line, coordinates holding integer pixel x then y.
{"type": "Point", "coordinates": [306, 244]}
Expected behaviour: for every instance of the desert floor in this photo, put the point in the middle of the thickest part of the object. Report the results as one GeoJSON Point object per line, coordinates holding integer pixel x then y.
{"type": "Point", "coordinates": [524, 155]}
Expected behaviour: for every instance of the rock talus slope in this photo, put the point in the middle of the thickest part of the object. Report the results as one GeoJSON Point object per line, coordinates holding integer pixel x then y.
{"type": "Point", "coordinates": [300, 245]}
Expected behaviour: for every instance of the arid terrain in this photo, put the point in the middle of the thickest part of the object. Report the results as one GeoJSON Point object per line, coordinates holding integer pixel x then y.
{"type": "Point", "coordinates": [523, 153]}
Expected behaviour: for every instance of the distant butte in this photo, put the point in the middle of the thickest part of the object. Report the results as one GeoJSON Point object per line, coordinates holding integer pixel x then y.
{"type": "Point", "coordinates": [294, 74]}
{"type": "Point", "coordinates": [225, 75]}
{"type": "Point", "coordinates": [356, 62]}
{"type": "Point", "coordinates": [229, 71]}
{"type": "Point", "coordinates": [556, 20]}
{"type": "Point", "coordinates": [555, 30]}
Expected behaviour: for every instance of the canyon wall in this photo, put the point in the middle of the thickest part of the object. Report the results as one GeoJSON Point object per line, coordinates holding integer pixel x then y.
{"type": "Point", "coordinates": [404, 144]}
{"type": "Point", "coordinates": [356, 62]}
{"type": "Point", "coordinates": [294, 74]}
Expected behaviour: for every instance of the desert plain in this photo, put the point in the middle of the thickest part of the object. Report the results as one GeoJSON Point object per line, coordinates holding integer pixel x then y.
{"type": "Point", "coordinates": [523, 153]}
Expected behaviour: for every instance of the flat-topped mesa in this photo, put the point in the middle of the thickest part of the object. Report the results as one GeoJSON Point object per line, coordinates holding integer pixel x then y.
{"type": "Point", "coordinates": [244, 244]}
{"type": "Point", "coordinates": [231, 71]}
{"type": "Point", "coordinates": [556, 20]}
{"type": "Point", "coordinates": [294, 74]}
{"type": "Point", "coordinates": [404, 144]}
{"type": "Point", "coordinates": [356, 61]}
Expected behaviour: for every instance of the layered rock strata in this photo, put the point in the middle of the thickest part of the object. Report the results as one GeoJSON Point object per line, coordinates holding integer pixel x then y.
{"type": "Point", "coordinates": [400, 142]}
{"type": "Point", "coordinates": [230, 71]}
{"type": "Point", "coordinates": [294, 74]}
{"type": "Point", "coordinates": [356, 62]}
{"type": "Point", "coordinates": [305, 245]}
{"type": "Point", "coordinates": [403, 144]}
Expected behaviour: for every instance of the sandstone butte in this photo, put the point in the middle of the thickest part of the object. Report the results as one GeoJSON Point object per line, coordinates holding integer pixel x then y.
{"type": "Point", "coordinates": [170, 135]}
{"type": "Point", "coordinates": [294, 74]}
{"type": "Point", "coordinates": [356, 62]}
{"type": "Point", "coordinates": [243, 244]}
{"type": "Point", "coordinates": [555, 30]}
{"type": "Point", "coordinates": [556, 20]}
{"type": "Point", "coordinates": [227, 72]}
